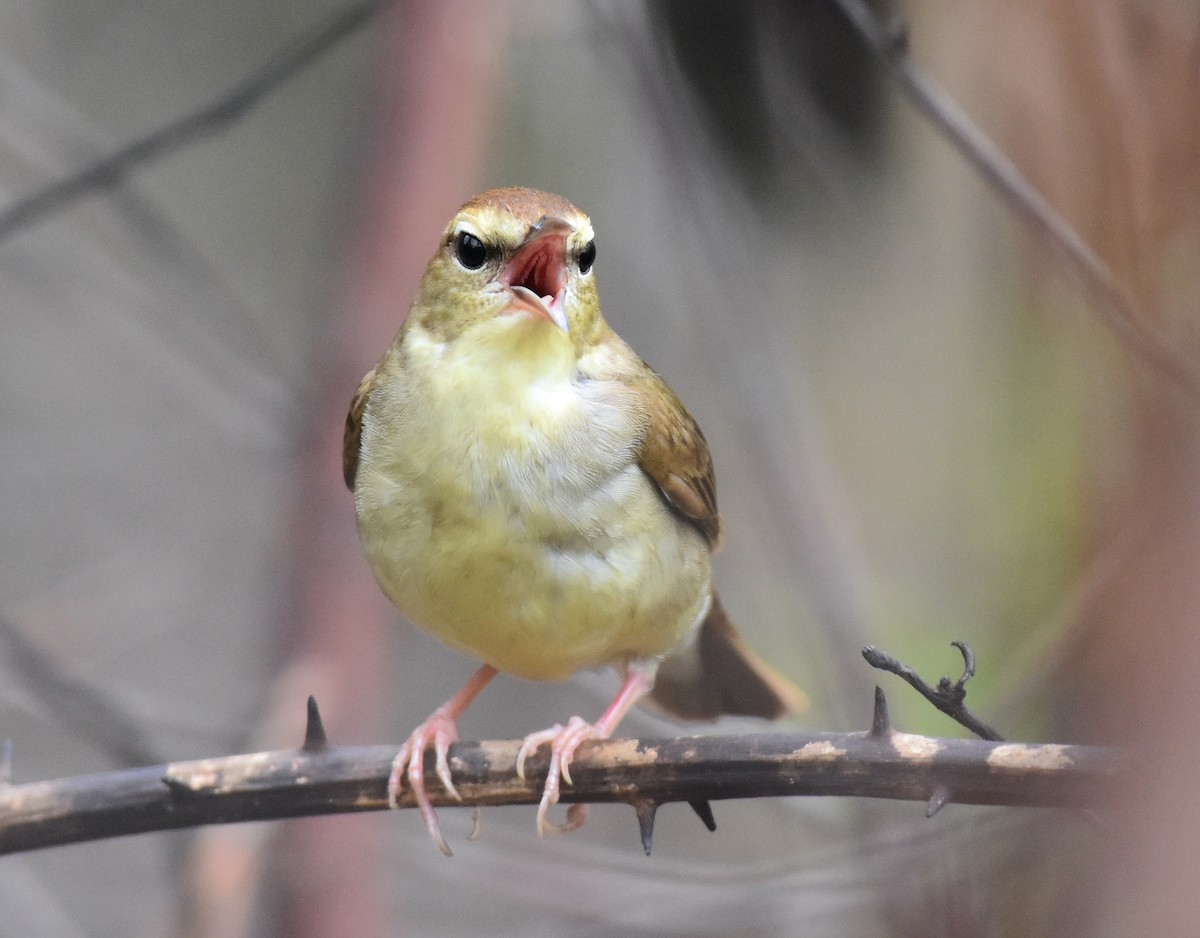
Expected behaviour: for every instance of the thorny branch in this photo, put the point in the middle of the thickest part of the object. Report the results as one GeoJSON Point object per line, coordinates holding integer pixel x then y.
{"type": "Point", "coordinates": [320, 779]}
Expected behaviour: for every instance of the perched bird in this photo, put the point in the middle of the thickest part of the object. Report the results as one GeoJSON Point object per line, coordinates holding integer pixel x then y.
{"type": "Point", "coordinates": [529, 491]}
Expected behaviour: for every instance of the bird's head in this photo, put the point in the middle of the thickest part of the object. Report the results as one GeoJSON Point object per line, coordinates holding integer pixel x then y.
{"type": "Point", "coordinates": [516, 259]}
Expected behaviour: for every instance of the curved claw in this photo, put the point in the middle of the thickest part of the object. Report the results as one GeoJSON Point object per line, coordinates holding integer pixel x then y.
{"type": "Point", "coordinates": [549, 797]}
{"type": "Point", "coordinates": [531, 743]}
{"type": "Point", "coordinates": [441, 730]}
{"type": "Point", "coordinates": [563, 743]}
{"type": "Point", "coordinates": [476, 823]}
{"type": "Point", "coordinates": [576, 817]}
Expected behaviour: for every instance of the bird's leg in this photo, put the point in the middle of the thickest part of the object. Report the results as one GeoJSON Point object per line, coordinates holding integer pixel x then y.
{"type": "Point", "coordinates": [441, 729]}
{"type": "Point", "coordinates": [564, 740]}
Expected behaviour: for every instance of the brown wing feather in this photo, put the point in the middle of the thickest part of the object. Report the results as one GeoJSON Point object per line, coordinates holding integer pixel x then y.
{"type": "Point", "coordinates": [675, 455]}
{"type": "Point", "coordinates": [352, 439]}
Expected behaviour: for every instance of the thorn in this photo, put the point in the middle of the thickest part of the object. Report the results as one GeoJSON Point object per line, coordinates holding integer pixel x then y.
{"type": "Point", "coordinates": [645, 810]}
{"type": "Point", "coordinates": [476, 823]}
{"type": "Point", "coordinates": [314, 729]}
{"type": "Point", "coordinates": [881, 724]}
{"type": "Point", "coordinates": [704, 810]}
{"type": "Point", "coordinates": [6, 773]}
{"type": "Point", "coordinates": [177, 787]}
{"type": "Point", "coordinates": [938, 800]}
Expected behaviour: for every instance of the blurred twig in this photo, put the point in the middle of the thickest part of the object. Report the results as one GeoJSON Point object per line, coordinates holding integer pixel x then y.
{"type": "Point", "coordinates": [1115, 304]}
{"type": "Point", "coordinates": [85, 709]}
{"type": "Point", "coordinates": [317, 779]}
{"type": "Point", "coordinates": [110, 171]}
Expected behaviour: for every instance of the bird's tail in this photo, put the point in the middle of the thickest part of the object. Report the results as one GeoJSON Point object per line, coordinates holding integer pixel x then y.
{"type": "Point", "coordinates": [717, 673]}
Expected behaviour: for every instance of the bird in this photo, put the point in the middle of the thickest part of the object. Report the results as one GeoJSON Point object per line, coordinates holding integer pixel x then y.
{"type": "Point", "coordinates": [532, 493]}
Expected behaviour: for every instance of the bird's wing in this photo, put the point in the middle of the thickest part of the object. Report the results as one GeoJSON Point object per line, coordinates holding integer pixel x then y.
{"type": "Point", "coordinates": [675, 454]}
{"type": "Point", "coordinates": [352, 439]}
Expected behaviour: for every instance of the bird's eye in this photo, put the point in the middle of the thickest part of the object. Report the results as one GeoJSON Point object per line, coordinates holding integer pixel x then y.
{"type": "Point", "coordinates": [470, 251]}
{"type": "Point", "coordinates": [587, 257]}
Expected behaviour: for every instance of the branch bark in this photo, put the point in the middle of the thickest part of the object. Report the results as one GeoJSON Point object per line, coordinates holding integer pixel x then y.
{"type": "Point", "coordinates": [880, 763]}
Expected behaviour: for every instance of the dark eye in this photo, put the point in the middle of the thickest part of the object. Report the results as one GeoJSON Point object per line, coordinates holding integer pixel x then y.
{"type": "Point", "coordinates": [587, 257]}
{"type": "Point", "coordinates": [470, 251]}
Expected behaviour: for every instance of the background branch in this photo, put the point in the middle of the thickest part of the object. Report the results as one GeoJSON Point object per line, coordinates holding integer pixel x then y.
{"type": "Point", "coordinates": [86, 709]}
{"type": "Point", "coordinates": [1114, 302]}
{"type": "Point", "coordinates": [230, 107]}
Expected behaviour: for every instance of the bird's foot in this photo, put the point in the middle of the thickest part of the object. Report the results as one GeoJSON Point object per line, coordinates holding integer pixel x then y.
{"type": "Point", "coordinates": [441, 730]}
{"type": "Point", "coordinates": [563, 740]}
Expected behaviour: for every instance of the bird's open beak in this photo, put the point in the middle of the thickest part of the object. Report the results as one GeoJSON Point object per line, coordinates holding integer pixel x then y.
{"type": "Point", "coordinates": [536, 274]}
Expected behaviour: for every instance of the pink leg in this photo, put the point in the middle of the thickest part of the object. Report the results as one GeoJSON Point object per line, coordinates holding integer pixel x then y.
{"type": "Point", "coordinates": [565, 740]}
{"type": "Point", "coordinates": [441, 729]}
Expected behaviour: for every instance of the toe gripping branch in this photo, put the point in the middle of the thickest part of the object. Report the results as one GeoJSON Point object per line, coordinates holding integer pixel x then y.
{"type": "Point", "coordinates": [948, 696]}
{"type": "Point", "coordinates": [318, 778]}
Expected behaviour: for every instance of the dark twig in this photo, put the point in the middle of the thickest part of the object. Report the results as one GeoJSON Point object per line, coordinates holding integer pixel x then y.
{"type": "Point", "coordinates": [948, 696]}
{"type": "Point", "coordinates": [112, 170]}
{"type": "Point", "coordinates": [1115, 304]}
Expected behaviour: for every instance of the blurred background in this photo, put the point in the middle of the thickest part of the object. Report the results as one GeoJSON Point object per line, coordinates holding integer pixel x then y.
{"type": "Point", "coordinates": [922, 433]}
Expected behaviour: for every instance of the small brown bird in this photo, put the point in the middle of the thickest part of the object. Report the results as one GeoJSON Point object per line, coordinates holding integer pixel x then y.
{"type": "Point", "coordinates": [532, 493]}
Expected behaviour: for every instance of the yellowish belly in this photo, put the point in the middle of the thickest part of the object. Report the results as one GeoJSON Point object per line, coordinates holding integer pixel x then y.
{"type": "Point", "coordinates": [543, 597]}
